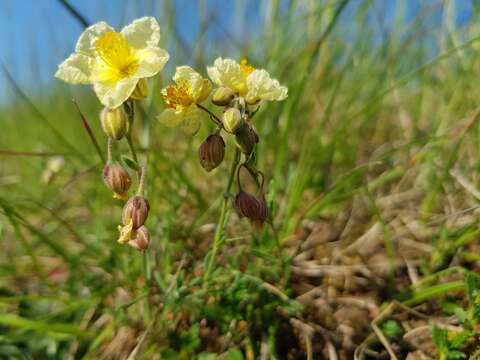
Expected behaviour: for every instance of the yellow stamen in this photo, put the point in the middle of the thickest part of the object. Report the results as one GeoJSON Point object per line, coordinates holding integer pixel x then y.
{"type": "Point", "coordinates": [177, 95]}
{"type": "Point", "coordinates": [246, 69]}
{"type": "Point", "coordinates": [117, 54]}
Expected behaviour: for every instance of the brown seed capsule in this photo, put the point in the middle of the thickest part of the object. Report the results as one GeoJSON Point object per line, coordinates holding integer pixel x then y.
{"type": "Point", "coordinates": [211, 152]}
{"type": "Point", "coordinates": [136, 209]}
{"type": "Point", "coordinates": [114, 122]}
{"type": "Point", "coordinates": [222, 96]}
{"type": "Point", "coordinates": [246, 138]}
{"type": "Point", "coordinates": [253, 208]}
{"type": "Point", "coordinates": [117, 179]}
{"type": "Point", "coordinates": [141, 240]}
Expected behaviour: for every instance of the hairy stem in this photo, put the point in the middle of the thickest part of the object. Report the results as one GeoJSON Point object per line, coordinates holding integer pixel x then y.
{"type": "Point", "coordinates": [222, 220]}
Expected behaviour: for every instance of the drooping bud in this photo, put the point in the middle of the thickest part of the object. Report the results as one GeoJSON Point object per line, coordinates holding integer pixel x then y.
{"type": "Point", "coordinates": [141, 240]}
{"type": "Point", "coordinates": [232, 120]}
{"type": "Point", "coordinates": [253, 208]}
{"type": "Point", "coordinates": [136, 209]}
{"type": "Point", "coordinates": [114, 122]}
{"type": "Point", "coordinates": [246, 138]}
{"type": "Point", "coordinates": [141, 90]}
{"type": "Point", "coordinates": [117, 179]}
{"type": "Point", "coordinates": [222, 96]}
{"type": "Point", "coordinates": [211, 152]}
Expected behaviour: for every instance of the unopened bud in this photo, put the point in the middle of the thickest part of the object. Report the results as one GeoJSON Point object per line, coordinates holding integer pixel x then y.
{"type": "Point", "coordinates": [141, 90]}
{"type": "Point", "coordinates": [211, 152]}
{"type": "Point", "coordinates": [117, 179]}
{"type": "Point", "coordinates": [141, 240]}
{"type": "Point", "coordinates": [246, 138]}
{"type": "Point", "coordinates": [232, 120]}
{"type": "Point", "coordinates": [136, 209]}
{"type": "Point", "coordinates": [253, 208]}
{"type": "Point", "coordinates": [114, 122]}
{"type": "Point", "coordinates": [222, 96]}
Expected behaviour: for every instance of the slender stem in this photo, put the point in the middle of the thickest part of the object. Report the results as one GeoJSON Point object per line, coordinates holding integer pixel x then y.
{"type": "Point", "coordinates": [141, 183]}
{"type": "Point", "coordinates": [222, 220]}
{"type": "Point", "coordinates": [109, 150]}
{"type": "Point", "coordinates": [214, 117]}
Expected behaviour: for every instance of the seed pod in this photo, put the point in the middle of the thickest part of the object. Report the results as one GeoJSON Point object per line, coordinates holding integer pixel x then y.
{"type": "Point", "coordinates": [141, 240]}
{"type": "Point", "coordinates": [222, 96]}
{"type": "Point", "coordinates": [253, 208]}
{"type": "Point", "coordinates": [246, 138]}
{"type": "Point", "coordinates": [211, 152]}
{"type": "Point", "coordinates": [117, 179]}
{"type": "Point", "coordinates": [114, 122]}
{"type": "Point", "coordinates": [232, 120]}
{"type": "Point", "coordinates": [141, 90]}
{"type": "Point", "coordinates": [136, 209]}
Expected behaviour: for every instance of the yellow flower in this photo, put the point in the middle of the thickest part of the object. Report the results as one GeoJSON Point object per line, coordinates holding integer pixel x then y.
{"type": "Point", "coordinates": [126, 233]}
{"type": "Point", "coordinates": [114, 62]}
{"type": "Point", "coordinates": [246, 81]}
{"type": "Point", "coordinates": [181, 99]}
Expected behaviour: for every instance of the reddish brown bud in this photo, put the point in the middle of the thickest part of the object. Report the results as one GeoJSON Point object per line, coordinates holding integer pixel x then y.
{"type": "Point", "coordinates": [211, 152]}
{"type": "Point", "coordinates": [246, 138]}
{"type": "Point", "coordinates": [136, 210]}
{"type": "Point", "coordinates": [117, 179]}
{"type": "Point", "coordinates": [141, 240]}
{"type": "Point", "coordinates": [253, 208]}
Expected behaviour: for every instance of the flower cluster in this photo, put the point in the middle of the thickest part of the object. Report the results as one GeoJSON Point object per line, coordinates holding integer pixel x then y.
{"type": "Point", "coordinates": [117, 64]}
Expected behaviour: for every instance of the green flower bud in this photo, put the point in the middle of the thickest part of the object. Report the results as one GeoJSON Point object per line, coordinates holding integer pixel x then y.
{"type": "Point", "coordinates": [222, 96]}
{"type": "Point", "coordinates": [136, 211]}
{"type": "Point", "coordinates": [117, 179]}
{"type": "Point", "coordinates": [211, 152]}
{"type": "Point", "coordinates": [246, 138]}
{"type": "Point", "coordinates": [253, 208]}
{"type": "Point", "coordinates": [141, 90]}
{"type": "Point", "coordinates": [232, 120]}
{"type": "Point", "coordinates": [141, 240]}
{"type": "Point", "coordinates": [114, 122]}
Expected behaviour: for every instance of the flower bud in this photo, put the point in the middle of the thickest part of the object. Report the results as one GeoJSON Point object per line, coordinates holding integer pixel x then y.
{"type": "Point", "coordinates": [114, 122]}
{"type": "Point", "coordinates": [253, 208]}
{"type": "Point", "coordinates": [141, 90]}
{"type": "Point", "coordinates": [211, 152]}
{"type": "Point", "coordinates": [136, 209]}
{"type": "Point", "coordinates": [141, 240]}
{"type": "Point", "coordinates": [222, 96]}
{"type": "Point", "coordinates": [246, 138]}
{"type": "Point", "coordinates": [232, 120]}
{"type": "Point", "coordinates": [117, 179]}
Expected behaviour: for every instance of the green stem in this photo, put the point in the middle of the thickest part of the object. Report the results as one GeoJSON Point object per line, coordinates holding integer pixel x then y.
{"type": "Point", "coordinates": [222, 220]}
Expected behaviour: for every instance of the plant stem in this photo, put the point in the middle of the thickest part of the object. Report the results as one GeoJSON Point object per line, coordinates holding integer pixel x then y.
{"type": "Point", "coordinates": [222, 220]}
{"type": "Point", "coordinates": [213, 117]}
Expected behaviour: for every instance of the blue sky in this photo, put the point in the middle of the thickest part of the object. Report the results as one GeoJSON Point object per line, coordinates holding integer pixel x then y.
{"type": "Point", "coordinates": [36, 35]}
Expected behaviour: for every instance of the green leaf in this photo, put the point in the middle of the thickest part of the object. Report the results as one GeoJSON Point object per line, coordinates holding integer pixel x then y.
{"type": "Point", "coordinates": [440, 337]}
{"type": "Point", "coordinates": [472, 282]}
{"type": "Point", "coordinates": [392, 328]}
{"type": "Point", "coordinates": [234, 354]}
{"type": "Point", "coordinates": [459, 339]}
{"type": "Point", "coordinates": [130, 163]}
{"type": "Point", "coordinates": [455, 355]}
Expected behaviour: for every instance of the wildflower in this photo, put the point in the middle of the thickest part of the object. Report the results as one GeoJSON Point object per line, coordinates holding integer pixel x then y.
{"type": "Point", "coordinates": [114, 122]}
{"type": "Point", "coordinates": [253, 208]}
{"type": "Point", "coordinates": [117, 179]}
{"type": "Point", "coordinates": [244, 80]}
{"type": "Point", "coordinates": [181, 99]}
{"type": "Point", "coordinates": [232, 120]}
{"type": "Point", "coordinates": [127, 232]}
{"type": "Point", "coordinates": [141, 239]}
{"type": "Point", "coordinates": [135, 211]}
{"type": "Point", "coordinates": [211, 152]}
{"type": "Point", "coordinates": [114, 62]}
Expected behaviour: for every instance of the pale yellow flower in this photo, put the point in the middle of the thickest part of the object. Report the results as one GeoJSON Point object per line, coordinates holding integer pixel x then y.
{"type": "Point", "coordinates": [253, 84]}
{"type": "Point", "coordinates": [113, 61]}
{"type": "Point", "coordinates": [190, 88]}
{"type": "Point", "coordinates": [126, 232]}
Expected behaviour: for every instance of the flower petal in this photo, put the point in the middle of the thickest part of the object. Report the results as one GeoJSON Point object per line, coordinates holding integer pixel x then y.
{"type": "Point", "coordinates": [76, 69]}
{"type": "Point", "coordinates": [112, 95]}
{"type": "Point", "coordinates": [262, 87]}
{"type": "Point", "coordinates": [227, 72]}
{"type": "Point", "coordinates": [142, 33]}
{"type": "Point", "coordinates": [86, 41]}
{"type": "Point", "coordinates": [199, 87]}
{"type": "Point", "coordinates": [171, 117]}
{"type": "Point", "coordinates": [151, 61]}
{"type": "Point", "coordinates": [191, 121]}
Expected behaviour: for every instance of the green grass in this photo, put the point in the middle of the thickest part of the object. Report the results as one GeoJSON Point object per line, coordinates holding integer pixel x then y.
{"type": "Point", "coordinates": [374, 131]}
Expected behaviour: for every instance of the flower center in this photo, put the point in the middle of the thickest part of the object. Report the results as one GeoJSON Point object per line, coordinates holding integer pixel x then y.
{"type": "Point", "coordinates": [177, 95]}
{"type": "Point", "coordinates": [115, 51]}
{"type": "Point", "coordinates": [246, 69]}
